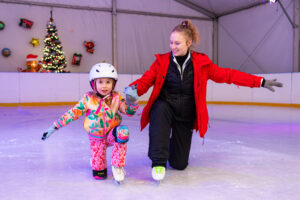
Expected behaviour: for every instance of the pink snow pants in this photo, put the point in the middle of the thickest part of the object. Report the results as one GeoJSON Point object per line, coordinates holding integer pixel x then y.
{"type": "Point", "coordinates": [98, 152]}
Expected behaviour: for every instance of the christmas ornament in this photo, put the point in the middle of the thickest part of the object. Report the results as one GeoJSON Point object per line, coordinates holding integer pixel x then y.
{"type": "Point", "coordinates": [89, 45]}
{"type": "Point", "coordinates": [2, 25]}
{"type": "Point", "coordinates": [32, 64]}
{"type": "Point", "coordinates": [76, 59]}
{"type": "Point", "coordinates": [35, 42]}
{"type": "Point", "coordinates": [6, 52]}
{"type": "Point", "coordinates": [25, 23]}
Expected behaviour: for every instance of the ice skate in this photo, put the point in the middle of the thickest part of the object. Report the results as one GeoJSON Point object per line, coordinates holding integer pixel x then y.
{"type": "Point", "coordinates": [158, 173]}
{"type": "Point", "coordinates": [100, 174]}
{"type": "Point", "coordinates": [119, 174]}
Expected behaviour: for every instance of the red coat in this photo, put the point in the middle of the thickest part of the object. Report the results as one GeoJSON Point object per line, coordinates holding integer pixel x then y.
{"type": "Point", "coordinates": [204, 69]}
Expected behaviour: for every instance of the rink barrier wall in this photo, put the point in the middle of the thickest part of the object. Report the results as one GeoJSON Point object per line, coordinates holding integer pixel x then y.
{"type": "Point", "coordinates": [145, 102]}
{"type": "Point", "coordinates": [253, 104]}
{"type": "Point", "coordinates": [51, 89]}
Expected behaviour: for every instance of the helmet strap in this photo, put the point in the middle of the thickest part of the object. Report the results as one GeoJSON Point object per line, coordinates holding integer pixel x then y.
{"type": "Point", "coordinates": [93, 86]}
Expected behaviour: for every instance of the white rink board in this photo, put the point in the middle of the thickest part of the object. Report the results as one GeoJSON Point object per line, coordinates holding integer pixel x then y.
{"type": "Point", "coordinates": [70, 87]}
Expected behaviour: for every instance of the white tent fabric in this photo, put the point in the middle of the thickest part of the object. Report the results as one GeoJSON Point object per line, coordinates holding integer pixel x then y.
{"type": "Point", "coordinates": [78, 21]}
{"type": "Point", "coordinates": [257, 40]}
{"type": "Point", "coordinates": [221, 7]}
{"type": "Point", "coordinates": [91, 3]}
{"type": "Point", "coordinates": [252, 36]}
{"type": "Point", "coordinates": [73, 27]}
{"type": "Point", "coordinates": [158, 6]}
{"type": "Point", "coordinates": [140, 37]}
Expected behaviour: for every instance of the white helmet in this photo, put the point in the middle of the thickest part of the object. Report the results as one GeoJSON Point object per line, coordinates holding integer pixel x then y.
{"type": "Point", "coordinates": [103, 70]}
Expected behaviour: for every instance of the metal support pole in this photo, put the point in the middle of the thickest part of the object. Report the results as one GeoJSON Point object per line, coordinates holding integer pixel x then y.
{"type": "Point", "coordinates": [216, 41]}
{"type": "Point", "coordinates": [114, 34]}
{"type": "Point", "coordinates": [286, 14]}
{"type": "Point", "coordinates": [296, 61]}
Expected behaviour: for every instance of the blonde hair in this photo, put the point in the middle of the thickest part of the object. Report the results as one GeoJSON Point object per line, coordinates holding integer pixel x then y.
{"type": "Point", "coordinates": [188, 28]}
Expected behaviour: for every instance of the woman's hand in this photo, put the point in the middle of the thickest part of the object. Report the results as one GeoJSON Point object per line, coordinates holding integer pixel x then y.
{"type": "Point", "coordinates": [270, 83]}
{"type": "Point", "coordinates": [131, 94]}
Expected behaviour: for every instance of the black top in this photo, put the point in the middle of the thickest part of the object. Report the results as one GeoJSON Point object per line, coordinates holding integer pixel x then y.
{"type": "Point", "coordinates": [181, 59]}
{"type": "Point", "coordinates": [179, 92]}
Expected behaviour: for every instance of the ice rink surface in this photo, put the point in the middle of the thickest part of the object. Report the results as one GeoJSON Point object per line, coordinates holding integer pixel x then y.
{"type": "Point", "coordinates": [250, 153]}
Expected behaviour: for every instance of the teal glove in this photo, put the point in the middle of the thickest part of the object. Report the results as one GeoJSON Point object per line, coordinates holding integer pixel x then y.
{"type": "Point", "coordinates": [131, 94]}
{"type": "Point", "coordinates": [270, 83]}
{"type": "Point", "coordinates": [49, 132]}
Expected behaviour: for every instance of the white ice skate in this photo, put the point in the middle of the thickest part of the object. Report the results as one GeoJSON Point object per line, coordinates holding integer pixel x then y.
{"type": "Point", "coordinates": [158, 173]}
{"type": "Point", "coordinates": [119, 174]}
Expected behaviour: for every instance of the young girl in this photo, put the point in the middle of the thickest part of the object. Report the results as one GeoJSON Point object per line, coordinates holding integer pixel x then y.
{"type": "Point", "coordinates": [102, 120]}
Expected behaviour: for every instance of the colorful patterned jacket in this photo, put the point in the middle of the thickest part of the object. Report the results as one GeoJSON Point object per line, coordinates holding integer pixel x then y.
{"type": "Point", "coordinates": [100, 118]}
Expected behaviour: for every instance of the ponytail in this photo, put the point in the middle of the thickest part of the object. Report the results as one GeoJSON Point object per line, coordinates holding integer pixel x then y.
{"type": "Point", "coordinates": [189, 30]}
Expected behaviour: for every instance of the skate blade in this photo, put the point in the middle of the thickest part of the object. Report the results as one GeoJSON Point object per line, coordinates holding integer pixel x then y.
{"type": "Point", "coordinates": [119, 182]}
{"type": "Point", "coordinates": [157, 182]}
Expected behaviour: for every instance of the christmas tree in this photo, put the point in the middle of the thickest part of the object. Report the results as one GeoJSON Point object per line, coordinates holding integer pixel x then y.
{"type": "Point", "coordinates": [53, 59]}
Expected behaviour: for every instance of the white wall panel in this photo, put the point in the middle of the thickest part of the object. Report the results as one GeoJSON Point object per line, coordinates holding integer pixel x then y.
{"type": "Point", "coordinates": [9, 87]}
{"type": "Point", "coordinates": [123, 81]}
{"type": "Point", "coordinates": [48, 87]}
{"type": "Point", "coordinates": [209, 90]}
{"type": "Point", "coordinates": [281, 95]}
{"type": "Point", "coordinates": [146, 96]}
{"type": "Point", "coordinates": [38, 87]}
{"type": "Point", "coordinates": [225, 92]}
{"type": "Point", "coordinates": [84, 84]}
{"type": "Point", "coordinates": [295, 90]}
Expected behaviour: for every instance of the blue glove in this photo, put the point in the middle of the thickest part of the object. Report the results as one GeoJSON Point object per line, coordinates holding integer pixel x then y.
{"type": "Point", "coordinates": [49, 132]}
{"type": "Point", "coordinates": [131, 94]}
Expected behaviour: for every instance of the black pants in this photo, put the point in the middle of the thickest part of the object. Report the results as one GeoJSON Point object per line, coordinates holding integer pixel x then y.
{"type": "Point", "coordinates": [165, 145]}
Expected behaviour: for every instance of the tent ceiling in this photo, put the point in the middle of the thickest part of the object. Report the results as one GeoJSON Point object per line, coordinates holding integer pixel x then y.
{"type": "Point", "coordinates": [217, 8]}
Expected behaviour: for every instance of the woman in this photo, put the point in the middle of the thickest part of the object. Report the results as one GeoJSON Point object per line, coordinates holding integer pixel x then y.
{"type": "Point", "coordinates": [177, 104]}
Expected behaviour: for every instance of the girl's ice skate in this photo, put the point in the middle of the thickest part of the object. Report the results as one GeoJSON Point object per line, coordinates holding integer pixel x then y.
{"type": "Point", "coordinates": [119, 174]}
{"type": "Point", "coordinates": [158, 173]}
{"type": "Point", "coordinates": [100, 174]}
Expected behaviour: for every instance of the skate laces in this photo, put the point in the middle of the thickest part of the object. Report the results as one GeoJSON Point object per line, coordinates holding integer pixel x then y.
{"type": "Point", "coordinates": [158, 173]}
{"type": "Point", "coordinates": [118, 173]}
{"type": "Point", "coordinates": [159, 169]}
{"type": "Point", "coordinates": [119, 170]}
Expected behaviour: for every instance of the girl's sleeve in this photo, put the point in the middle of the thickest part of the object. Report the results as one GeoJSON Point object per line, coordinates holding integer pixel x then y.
{"type": "Point", "coordinates": [126, 109]}
{"type": "Point", "coordinates": [73, 114]}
